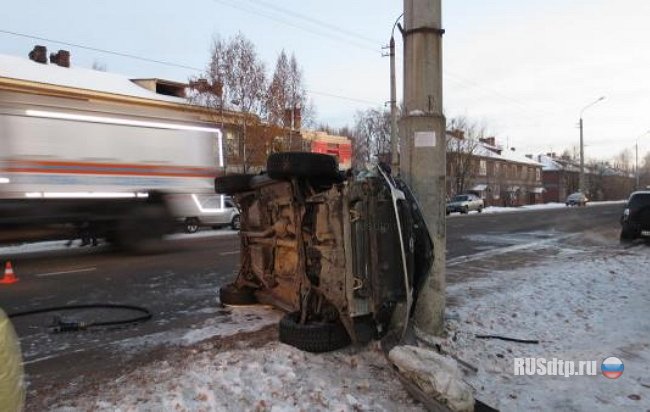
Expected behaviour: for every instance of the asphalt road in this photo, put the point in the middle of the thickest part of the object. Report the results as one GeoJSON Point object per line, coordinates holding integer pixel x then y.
{"type": "Point", "coordinates": [180, 287]}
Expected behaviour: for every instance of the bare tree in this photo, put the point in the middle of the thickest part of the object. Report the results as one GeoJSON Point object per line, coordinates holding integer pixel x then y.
{"type": "Point", "coordinates": [235, 79]}
{"type": "Point", "coordinates": [287, 96]}
{"type": "Point", "coordinates": [623, 161]}
{"type": "Point", "coordinates": [462, 146]}
{"type": "Point", "coordinates": [372, 135]}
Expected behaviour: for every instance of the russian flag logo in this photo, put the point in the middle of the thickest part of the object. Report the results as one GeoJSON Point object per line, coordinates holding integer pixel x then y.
{"type": "Point", "coordinates": [612, 367]}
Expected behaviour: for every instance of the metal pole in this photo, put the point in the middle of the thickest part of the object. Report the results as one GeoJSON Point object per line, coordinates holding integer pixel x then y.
{"type": "Point", "coordinates": [394, 155]}
{"type": "Point", "coordinates": [423, 144]}
{"type": "Point", "coordinates": [582, 145]}
{"type": "Point", "coordinates": [582, 160]}
{"type": "Point", "coordinates": [636, 163]}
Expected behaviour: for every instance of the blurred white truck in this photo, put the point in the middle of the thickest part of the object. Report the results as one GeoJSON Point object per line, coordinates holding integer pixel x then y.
{"type": "Point", "coordinates": [124, 174]}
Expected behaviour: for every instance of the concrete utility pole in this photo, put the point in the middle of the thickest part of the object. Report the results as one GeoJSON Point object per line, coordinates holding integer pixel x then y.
{"type": "Point", "coordinates": [583, 183]}
{"type": "Point", "coordinates": [423, 145]}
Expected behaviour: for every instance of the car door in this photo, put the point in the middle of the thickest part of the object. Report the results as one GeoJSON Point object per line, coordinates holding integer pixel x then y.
{"type": "Point", "coordinates": [212, 213]}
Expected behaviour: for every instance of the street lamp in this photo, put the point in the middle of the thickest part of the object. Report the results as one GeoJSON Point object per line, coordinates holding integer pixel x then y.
{"type": "Point", "coordinates": [582, 145]}
{"type": "Point", "coordinates": [636, 164]}
{"type": "Point", "coordinates": [393, 100]}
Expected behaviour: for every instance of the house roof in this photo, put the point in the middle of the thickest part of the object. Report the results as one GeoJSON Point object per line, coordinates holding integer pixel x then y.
{"type": "Point", "coordinates": [481, 149]}
{"type": "Point", "coordinates": [17, 68]}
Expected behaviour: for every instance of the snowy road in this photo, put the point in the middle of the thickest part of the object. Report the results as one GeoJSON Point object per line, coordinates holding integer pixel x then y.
{"type": "Point", "coordinates": [180, 288]}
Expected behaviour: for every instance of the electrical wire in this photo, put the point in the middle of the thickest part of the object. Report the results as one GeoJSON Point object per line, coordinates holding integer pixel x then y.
{"type": "Point", "coordinates": [96, 49]}
{"type": "Point", "coordinates": [69, 326]}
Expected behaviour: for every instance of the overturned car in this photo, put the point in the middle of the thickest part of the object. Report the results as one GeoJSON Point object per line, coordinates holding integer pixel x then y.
{"type": "Point", "coordinates": [343, 254]}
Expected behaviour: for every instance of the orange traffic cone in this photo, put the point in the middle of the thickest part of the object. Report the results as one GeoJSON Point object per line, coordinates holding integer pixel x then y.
{"type": "Point", "coordinates": [9, 276]}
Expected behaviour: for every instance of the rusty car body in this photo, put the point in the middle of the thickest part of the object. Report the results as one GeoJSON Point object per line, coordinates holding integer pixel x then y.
{"type": "Point", "coordinates": [337, 251]}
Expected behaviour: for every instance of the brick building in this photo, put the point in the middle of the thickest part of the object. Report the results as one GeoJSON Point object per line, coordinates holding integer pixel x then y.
{"type": "Point", "coordinates": [502, 177]}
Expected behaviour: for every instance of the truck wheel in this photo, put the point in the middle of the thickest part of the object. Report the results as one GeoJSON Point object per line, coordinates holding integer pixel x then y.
{"type": "Point", "coordinates": [142, 229]}
{"type": "Point", "coordinates": [191, 225]}
{"type": "Point", "coordinates": [232, 184]}
{"type": "Point", "coordinates": [234, 296]}
{"type": "Point", "coordinates": [236, 223]}
{"type": "Point", "coordinates": [300, 164]}
{"type": "Point", "coordinates": [313, 336]}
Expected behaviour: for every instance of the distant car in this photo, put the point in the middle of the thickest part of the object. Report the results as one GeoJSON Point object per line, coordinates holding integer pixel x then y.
{"type": "Point", "coordinates": [209, 212]}
{"type": "Point", "coordinates": [576, 199]}
{"type": "Point", "coordinates": [465, 204]}
{"type": "Point", "coordinates": [635, 221]}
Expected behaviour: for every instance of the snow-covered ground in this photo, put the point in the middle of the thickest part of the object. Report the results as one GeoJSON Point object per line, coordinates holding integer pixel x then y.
{"type": "Point", "coordinates": [582, 304]}
{"type": "Point", "coordinates": [275, 377]}
{"type": "Point", "coordinates": [584, 299]}
{"type": "Point", "coordinates": [542, 206]}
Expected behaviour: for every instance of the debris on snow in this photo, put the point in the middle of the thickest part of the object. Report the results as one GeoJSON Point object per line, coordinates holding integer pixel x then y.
{"type": "Point", "coordinates": [437, 376]}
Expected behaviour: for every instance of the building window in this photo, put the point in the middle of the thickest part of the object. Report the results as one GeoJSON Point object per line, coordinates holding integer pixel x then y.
{"type": "Point", "coordinates": [496, 193]}
{"type": "Point", "coordinates": [538, 175]}
{"type": "Point", "coordinates": [482, 168]}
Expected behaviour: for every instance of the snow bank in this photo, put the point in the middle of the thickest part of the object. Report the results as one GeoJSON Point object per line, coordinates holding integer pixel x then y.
{"type": "Point", "coordinates": [275, 377]}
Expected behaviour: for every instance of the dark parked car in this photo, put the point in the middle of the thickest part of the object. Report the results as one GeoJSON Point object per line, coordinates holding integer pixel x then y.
{"type": "Point", "coordinates": [339, 253]}
{"type": "Point", "coordinates": [576, 199]}
{"type": "Point", "coordinates": [635, 221]}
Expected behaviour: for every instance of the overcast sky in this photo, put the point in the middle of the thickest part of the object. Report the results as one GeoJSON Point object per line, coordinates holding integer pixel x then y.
{"type": "Point", "coordinates": [524, 69]}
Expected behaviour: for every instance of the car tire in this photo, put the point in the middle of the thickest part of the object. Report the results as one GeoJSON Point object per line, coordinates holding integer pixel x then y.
{"type": "Point", "coordinates": [233, 184]}
{"type": "Point", "coordinates": [231, 295]}
{"type": "Point", "coordinates": [235, 224]}
{"type": "Point", "coordinates": [627, 235]}
{"type": "Point", "coordinates": [303, 165]}
{"type": "Point", "coordinates": [191, 225]}
{"type": "Point", "coordinates": [480, 210]}
{"type": "Point", "coordinates": [465, 210]}
{"type": "Point", "coordinates": [313, 337]}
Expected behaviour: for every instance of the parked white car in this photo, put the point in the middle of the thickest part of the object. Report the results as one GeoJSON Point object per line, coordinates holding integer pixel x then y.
{"type": "Point", "coordinates": [465, 203]}
{"type": "Point", "coordinates": [211, 212]}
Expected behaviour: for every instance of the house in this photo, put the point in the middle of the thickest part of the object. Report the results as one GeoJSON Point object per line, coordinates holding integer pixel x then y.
{"type": "Point", "coordinates": [502, 177]}
{"type": "Point", "coordinates": [561, 177]}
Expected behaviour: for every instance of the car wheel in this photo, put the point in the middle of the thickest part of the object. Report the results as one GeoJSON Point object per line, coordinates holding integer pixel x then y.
{"type": "Point", "coordinates": [232, 184]}
{"type": "Point", "coordinates": [234, 296]}
{"type": "Point", "coordinates": [191, 225]}
{"type": "Point", "coordinates": [480, 210]}
{"type": "Point", "coordinates": [306, 165]}
{"type": "Point", "coordinates": [236, 223]}
{"type": "Point", "coordinates": [313, 336]}
{"type": "Point", "coordinates": [627, 235]}
{"type": "Point", "coordinates": [465, 210]}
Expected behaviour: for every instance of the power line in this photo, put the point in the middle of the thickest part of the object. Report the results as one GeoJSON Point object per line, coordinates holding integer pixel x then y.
{"type": "Point", "coordinates": [330, 36]}
{"type": "Point", "coordinates": [114, 53]}
{"type": "Point", "coordinates": [156, 61]}
{"type": "Point", "coordinates": [313, 20]}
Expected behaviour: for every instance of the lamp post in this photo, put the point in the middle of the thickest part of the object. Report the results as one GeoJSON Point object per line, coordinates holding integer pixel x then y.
{"type": "Point", "coordinates": [636, 163]}
{"type": "Point", "coordinates": [582, 145]}
{"type": "Point", "coordinates": [393, 102]}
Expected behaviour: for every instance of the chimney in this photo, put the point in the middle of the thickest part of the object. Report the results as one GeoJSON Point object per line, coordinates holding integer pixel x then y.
{"type": "Point", "coordinates": [38, 54]}
{"type": "Point", "coordinates": [492, 141]}
{"type": "Point", "coordinates": [60, 58]}
{"type": "Point", "coordinates": [297, 118]}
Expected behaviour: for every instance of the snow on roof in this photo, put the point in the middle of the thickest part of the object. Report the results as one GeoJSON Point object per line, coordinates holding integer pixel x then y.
{"type": "Point", "coordinates": [485, 150]}
{"type": "Point", "coordinates": [18, 68]}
